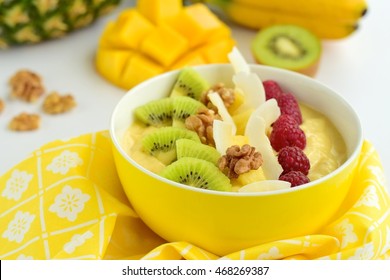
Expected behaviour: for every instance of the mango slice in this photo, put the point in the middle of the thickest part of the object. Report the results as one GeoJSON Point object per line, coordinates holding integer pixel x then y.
{"type": "Point", "coordinates": [158, 36]}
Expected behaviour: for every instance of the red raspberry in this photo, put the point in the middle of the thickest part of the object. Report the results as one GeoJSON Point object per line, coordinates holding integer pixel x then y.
{"type": "Point", "coordinates": [288, 105]}
{"type": "Point", "coordinates": [272, 89]}
{"type": "Point", "coordinates": [293, 159]}
{"type": "Point", "coordinates": [286, 132]}
{"type": "Point", "coordinates": [296, 178]}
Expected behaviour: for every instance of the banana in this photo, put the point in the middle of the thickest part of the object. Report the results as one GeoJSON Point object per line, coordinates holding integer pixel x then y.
{"type": "Point", "coordinates": [333, 9]}
{"type": "Point", "coordinates": [328, 19]}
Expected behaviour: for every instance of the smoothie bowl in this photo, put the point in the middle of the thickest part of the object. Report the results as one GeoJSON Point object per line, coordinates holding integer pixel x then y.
{"type": "Point", "coordinates": [224, 209]}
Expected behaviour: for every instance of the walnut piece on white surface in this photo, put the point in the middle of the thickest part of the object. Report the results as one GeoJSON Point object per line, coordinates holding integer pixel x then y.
{"type": "Point", "coordinates": [55, 103]}
{"type": "Point", "coordinates": [26, 85]}
{"type": "Point", "coordinates": [2, 105]}
{"type": "Point", "coordinates": [239, 160]}
{"type": "Point", "coordinates": [25, 122]}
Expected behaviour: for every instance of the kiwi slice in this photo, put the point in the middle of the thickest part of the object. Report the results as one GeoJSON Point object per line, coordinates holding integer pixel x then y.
{"type": "Point", "coordinates": [287, 46]}
{"type": "Point", "coordinates": [197, 173]}
{"type": "Point", "coordinates": [183, 107]}
{"type": "Point", "coordinates": [189, 148]}
{"type": "Point", "coordinates": [156, 113]}
{"type": "Point", "coordinates": [189, 83]}
{"type": "Point", "coordinates": [161, 143]}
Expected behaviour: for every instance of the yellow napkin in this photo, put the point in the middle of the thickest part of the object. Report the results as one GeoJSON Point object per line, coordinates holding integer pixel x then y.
{"type": "Point", "coordinates": [65, 201]}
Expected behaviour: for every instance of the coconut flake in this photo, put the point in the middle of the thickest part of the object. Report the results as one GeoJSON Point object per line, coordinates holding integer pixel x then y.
{"type": "Point", "coordinates": [269, 111]}
{"type": "Point", "coordinates": [217, 101]}
{"type": "Point", "coordinates": [264, 186]}
{"type": "Point", "coordinates": [223, 135]}
{"type": "Point", "coordinates": [256, 132]}
{"type": "Point", "coordinates": [252, 88]}
{"type": "Point", "coordinates": [238, 61]}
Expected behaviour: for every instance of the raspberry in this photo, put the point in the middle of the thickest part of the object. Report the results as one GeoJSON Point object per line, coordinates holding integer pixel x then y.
{"type": "Point", "coordinates": [293, 159]}
{"type": "Point", "coordinates": [272, 89]}
{"type": "Point", "coordinates": [296, 178]}
{"type": "Point", "coordinates": [286, 132]}
{"type": "Point", "coordinates": [288, 105]}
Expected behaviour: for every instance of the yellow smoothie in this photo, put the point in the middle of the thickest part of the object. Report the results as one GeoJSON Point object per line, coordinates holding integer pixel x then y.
{"type": "Point", "coordinates": [325, 147]}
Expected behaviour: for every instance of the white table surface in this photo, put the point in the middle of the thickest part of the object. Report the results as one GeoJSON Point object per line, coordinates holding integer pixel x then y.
{"type": "Point", "coordinates": [357, 67]}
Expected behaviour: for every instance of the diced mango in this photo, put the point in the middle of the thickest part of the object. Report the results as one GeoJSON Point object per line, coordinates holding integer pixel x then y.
{"type": "Point", "coordinates": [157, 36]}
{"type": "Point", "coordinates": [195, 22]}
{"type": "Point", "coordinates": [240, 140]}
{"type": "Point", "coordinates": [110, 63]}
{"type": "Point", "coordinates": [129, 30]}
{"type": "Point", "coordinates": [251, 177]}
{"type": "Point", "coordinates": [238, 101]}
{"type": "Point", "coordinates": [216, 52]}
{"type": "Point", "coordinates": [222, 32]}
{"type": "Point", "coordinates": [191, 59]}
{"type": "Point", "coordinates": [138, 69]}
{"type": "Point", "coordinates": [164, 45]}
{"type": "Point", "coordinates": [241, 119]}
{"type": "Point", "coordinates": [157, 11]}
{"type": "Point", "coordinates": [105, 37]}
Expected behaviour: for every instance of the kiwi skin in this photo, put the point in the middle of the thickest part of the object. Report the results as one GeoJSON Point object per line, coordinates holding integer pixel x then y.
{"type": "Point", "coordinates": [310, 69]}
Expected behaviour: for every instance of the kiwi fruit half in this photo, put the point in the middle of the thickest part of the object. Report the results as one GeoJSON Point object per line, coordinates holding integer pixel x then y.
{"type": "Point", "coordinates": [189, 83]}
{"type": "Point", "coordinates": [161, 143]}
{"type": "Point", "coordinates": [287, 46]}
{"type": "Point", "coordinates": [197, 173]}
{"type": "Point", "coordinates": [156, 113]}
{"type": "Point", "coordinates": [189, 148]}
{"type": "Point", "coordinates": [182, 108]}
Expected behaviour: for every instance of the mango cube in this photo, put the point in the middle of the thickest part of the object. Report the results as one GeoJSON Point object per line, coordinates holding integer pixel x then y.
{"type": "Point", "coordinates": [111, 62]}
{"type": "Point", "coordinates": [191, 59]}
{"type": "Point", "coordinates": [138, 69]}
{"type": "Point", "coordinates": [157, 11]}
{"type": "Point", "coordinates": [164, 45]}
{"type": "Point", "coordinates": [240, 120]}
{"type": "Point", "coordinates": [217, 51]}
{"type": "Point", "coordinates": [195, 22]}
{"type": "Point", "coordinates": [129, 30]}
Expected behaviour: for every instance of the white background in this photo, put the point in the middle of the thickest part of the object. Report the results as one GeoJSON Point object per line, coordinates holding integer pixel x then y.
{"type": "Point", "coordinates": [357, 67]}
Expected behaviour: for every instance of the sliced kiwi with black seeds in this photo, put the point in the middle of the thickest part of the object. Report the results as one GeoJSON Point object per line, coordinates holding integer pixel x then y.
{"type": "Point", "coordinates": [189, 148]}
{"type": "Point", "coordinates": [161, 143]}
{"type": "Point", "coordinates": [198, 173]}
{"type": "Point", "coordinates": [287, 46]}
{"type": "Point", "coordinates": [182, 108]}
{"type": "Point", "coordinates": [156, 113]}
{"type": "Point", "coordinates": [189, 83]}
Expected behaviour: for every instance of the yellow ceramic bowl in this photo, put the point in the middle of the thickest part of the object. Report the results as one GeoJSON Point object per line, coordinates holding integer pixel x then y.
{"type": "Point", "coordinates": [223, 222]}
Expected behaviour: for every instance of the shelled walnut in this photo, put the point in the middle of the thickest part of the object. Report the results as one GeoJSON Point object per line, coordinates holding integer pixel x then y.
{"type": "Point", "coordinates": [239, 160]}
{"type": "Point", "coordinates": [25, 122]}
{"type": "Point", "coordinates": [55, 103]}
{"type": "Point", "coordinates": [202, 124]}
{"type": "Point", "coordinates": [26, 85]}
{"type": "Point", "coordinates": [227, 95]}
{"type": "Point", "coordinates": [2, 105]}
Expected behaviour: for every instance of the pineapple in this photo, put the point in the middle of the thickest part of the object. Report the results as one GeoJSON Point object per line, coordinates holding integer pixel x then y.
{"type": "Point", "coordinates": [32, 21]}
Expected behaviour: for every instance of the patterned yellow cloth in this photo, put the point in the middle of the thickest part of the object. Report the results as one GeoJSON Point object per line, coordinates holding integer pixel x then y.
{"type": "Point", "coordinates": [65, 201]}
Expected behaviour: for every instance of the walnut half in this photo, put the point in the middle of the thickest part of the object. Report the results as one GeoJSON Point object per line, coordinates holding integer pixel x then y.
{"type": "Point", "coordinates": [227, 95]}
{"type": "Point", "coordinates": [2, 105]}
{"type": "Point", "coordinates": [202, 124]}
{"type": "Point", "coordinates": [56, 104]}
{"type": "Point", "coordinates": [25, 122]}
{"type": "Point", "coordinates": [240, 160]}
{"type": "Point", "coordinates": [26, 85]}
